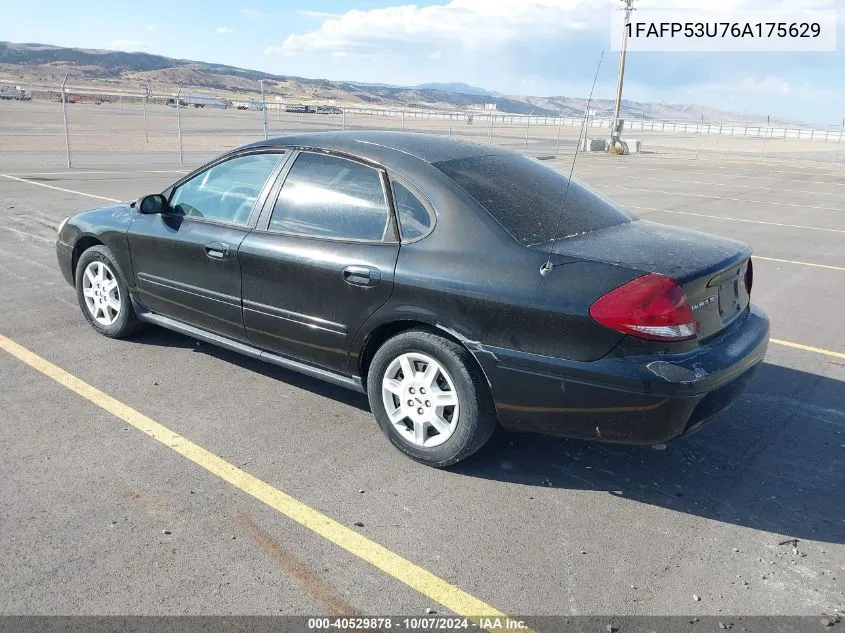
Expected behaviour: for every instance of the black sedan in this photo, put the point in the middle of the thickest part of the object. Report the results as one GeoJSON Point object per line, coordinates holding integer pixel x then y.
{"type": "Point", "coordinates": [460, 286]}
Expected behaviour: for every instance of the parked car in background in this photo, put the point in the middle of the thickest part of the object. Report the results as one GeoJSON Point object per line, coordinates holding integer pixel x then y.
{"type": "Point", "coordinates": [459, 285]}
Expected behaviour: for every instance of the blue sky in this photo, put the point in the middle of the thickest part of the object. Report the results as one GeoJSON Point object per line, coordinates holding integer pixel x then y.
{"type": "Point", "coordinates": [536, 47]}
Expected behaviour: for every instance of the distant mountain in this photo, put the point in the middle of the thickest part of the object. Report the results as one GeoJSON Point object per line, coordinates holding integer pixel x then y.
{"type": "Point", "coordinates": [43, 63]}
{"type": "Point", "coordinates": [461, 88]}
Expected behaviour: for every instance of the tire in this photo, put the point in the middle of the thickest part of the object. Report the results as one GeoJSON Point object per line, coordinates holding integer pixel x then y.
{"type": "Point", "coordinates": [433, 435]}
{"type": "Point", "coordinates": [100, 310]}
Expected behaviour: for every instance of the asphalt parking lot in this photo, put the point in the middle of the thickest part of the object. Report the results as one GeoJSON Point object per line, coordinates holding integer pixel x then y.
{"type": "Point", "coordinates": [99, 518]}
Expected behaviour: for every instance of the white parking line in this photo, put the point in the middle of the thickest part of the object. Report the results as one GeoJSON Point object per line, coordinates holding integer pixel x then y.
{"type": "Point", "coordinates": [41, 184]}
{"type": "Point", "coordinates": [713, 184]}
{"type": "Point", "coordinates": [819, 168]}
{"type": "Point", "coordinates": [792, 261]}
{"type": "Point", "coordinates": [78, 172]}
{"type": "Point", "coordinates": [709, 197]}
{"type": "Point", "coordinates": [719, 175]}
{"type": "Point", "coordinates": [30, 235]}
{"type": "Point", "coordinates": [723, 217]}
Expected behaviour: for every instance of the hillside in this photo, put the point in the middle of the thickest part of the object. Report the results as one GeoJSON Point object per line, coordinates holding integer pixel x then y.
{"type": "Point", "coordinates": [42, 63]}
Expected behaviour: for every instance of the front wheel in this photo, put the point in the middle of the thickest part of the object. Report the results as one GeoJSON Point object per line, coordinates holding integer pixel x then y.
{"type": "Point", "coordinates": [103, 295]}
{"type": "Point", "coordinates": [430, 398]}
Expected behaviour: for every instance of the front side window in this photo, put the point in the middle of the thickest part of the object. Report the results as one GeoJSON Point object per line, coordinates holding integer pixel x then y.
{"type": "Point", "coordinates": [226, 192]}
{"type": "Point", "coordinates": [415, 221]}
{"type": "Point", "coordinates": [328, 196]}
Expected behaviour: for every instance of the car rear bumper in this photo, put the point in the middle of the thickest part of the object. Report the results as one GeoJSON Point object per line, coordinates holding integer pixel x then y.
{"type": "Point", "coordinates": [642, 399]}
{"type": "Point", "coordinates": [64, 253]}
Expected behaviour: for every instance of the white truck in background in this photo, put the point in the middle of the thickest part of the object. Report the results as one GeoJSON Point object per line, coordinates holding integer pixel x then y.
{"type": "Point", "coordinates": [14, 92]}
{"type": "Point", "coordinates": [251, 104]}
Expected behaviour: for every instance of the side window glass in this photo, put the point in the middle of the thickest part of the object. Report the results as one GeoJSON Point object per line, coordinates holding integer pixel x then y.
{"type": "Point", "coordinates": [226, 192]}
{"type": "Point", "coordinates": [414, 218]}
{"type": "Point", "coordinates": [328, 196]}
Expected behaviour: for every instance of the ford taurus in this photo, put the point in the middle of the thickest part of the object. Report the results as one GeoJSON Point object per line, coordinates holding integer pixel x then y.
{"type": "Point", "coordinates": [459, 285]}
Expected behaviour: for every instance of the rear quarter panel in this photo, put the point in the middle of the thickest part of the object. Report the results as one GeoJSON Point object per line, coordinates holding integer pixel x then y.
{"type": "Point", "coordinates": [473, 279]}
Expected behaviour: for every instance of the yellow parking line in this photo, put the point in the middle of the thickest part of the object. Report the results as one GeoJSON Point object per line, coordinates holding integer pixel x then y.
{"type": "Point", "coordinates": [41, 184]}
{"type": "Point", "coordinates": [808, 348]}
{"type": "Point", "coordinates": [419, 579]}
{"type": "Point", "coordinates": [792, 261]}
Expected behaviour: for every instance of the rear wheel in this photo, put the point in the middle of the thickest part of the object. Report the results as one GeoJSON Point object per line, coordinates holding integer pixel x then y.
{"type": "Point", "coordinates": [103, 295]}
{"type": "Point", "coordinates": [430, 398]}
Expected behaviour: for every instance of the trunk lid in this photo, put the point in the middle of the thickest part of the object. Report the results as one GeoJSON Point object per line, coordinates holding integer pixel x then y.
{"type": "Point", "coordinates": [710, 269]}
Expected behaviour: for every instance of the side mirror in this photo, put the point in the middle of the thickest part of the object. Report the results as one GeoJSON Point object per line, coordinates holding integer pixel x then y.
{"type": "Point", "coordinates": [152, 204]}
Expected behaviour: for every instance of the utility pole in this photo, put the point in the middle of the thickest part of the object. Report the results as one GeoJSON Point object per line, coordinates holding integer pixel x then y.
{"type": "Point", "coordinates": [64, 118]}
{"type": "Point", "coordinates": [146, 98]}
{"type": "Point", "coordinates": [700, 131]}
{"type": "Point", "coordinates": [839, 142]}
{"type": "Point", "coordinates": [629, 6]}
{"type": "Point", "coordinates": [765, 134]}
{"type": "Point", "coordinates": [179, 125]}
{"type": "Point", "coordinates": [263, 107]}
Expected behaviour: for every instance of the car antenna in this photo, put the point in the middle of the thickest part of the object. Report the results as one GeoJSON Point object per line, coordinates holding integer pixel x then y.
{"type": "Point", "coordinates": [547, 266]}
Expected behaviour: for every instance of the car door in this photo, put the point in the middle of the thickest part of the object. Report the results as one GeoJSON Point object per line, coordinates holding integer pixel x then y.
{"type": "Point", "coordinates": [185, 260]}
{"type": "Point", "coordinates": [321, 259]}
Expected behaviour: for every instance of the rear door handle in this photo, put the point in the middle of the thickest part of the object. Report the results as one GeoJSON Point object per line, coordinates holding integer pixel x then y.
{"type": "Point", "coordinates": [361, 275]}
{"type": "Point", "coordinates": [217, 250]}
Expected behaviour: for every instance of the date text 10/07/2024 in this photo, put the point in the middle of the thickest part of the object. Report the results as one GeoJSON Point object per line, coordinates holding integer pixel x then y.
{"type": "Point", "coordinates": [417, 623]}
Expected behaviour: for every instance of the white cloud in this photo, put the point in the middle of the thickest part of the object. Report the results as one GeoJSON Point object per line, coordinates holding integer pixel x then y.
{"type": "Point", "coordinates": [484, 24]}
{"type": "Point", "coordinates": [435, 55]}
{"type": "Point", "coordinates": [318, 14]}
{"type": "Point", "coordinates": [470, 23]}
{"type": "Point", "coordinates": [253, 14]}
{"type": "Point", "coordinates": [224, 30]}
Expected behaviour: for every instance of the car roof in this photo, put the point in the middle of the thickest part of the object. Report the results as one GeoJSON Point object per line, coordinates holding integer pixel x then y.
{"type": "Point", "coordinates": [385, 146]}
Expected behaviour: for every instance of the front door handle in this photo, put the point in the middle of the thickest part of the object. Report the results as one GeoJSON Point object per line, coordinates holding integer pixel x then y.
{"type": "Point", "coordinates": [217, 250]}
{"type": "Point", "coordinates": [361, 275]}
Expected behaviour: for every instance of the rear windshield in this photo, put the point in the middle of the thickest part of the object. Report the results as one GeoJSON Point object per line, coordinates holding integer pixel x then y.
{"type": "Point", "coordinates": [525, 197]}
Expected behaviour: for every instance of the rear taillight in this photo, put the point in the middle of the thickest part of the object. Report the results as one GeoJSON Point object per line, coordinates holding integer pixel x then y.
{"type": "Point", "coordinates": [749, 277]}
{"type": "Point", "coordinates": [652, 307]}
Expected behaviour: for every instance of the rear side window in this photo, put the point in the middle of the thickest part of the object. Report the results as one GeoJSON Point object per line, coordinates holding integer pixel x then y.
{"type": "Point", "coordinates": [525, 197]}
{"type": "Point", "coordinates": [329, 196]}
{"type": "Point", "coordinates": [415, 220]}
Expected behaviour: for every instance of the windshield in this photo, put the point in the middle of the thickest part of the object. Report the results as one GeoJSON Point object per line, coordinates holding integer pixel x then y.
{"type": "Point", "coordinates": [525, 197]}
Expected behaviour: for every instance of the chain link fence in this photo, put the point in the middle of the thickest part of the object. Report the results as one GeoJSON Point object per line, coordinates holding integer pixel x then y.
{"type": "Point", "coordinates": [56, 126]}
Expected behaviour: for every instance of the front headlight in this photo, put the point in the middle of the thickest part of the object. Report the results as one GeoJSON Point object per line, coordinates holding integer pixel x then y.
{"type": "Point", "coordinates": [62, 224]}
